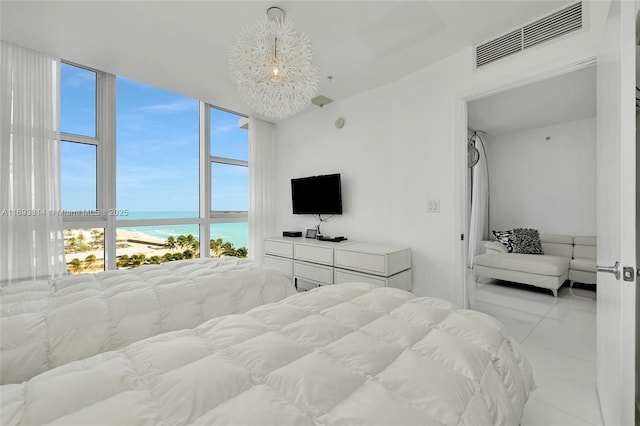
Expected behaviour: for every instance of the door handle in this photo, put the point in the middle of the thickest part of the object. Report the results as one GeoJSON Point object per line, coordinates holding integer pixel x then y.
{"type": "Point", "coordinates": [615, 269]}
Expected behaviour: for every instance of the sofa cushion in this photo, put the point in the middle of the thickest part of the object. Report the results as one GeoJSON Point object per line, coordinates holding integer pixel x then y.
{"type": "Point", "coordinates": [541, 264]}
{"type": "Point", "coordinates": [587, 265]}
{"type": "Point", "coordinates": [585, 241]}
{"type": "Point", "coordinates": [556, 239]}
{"type": "Point", "coordinates": [584, 252]}
{"type": "Point", "coordinates": [526, 241]}
{"type": "Point", "coordinates": [565, 250]}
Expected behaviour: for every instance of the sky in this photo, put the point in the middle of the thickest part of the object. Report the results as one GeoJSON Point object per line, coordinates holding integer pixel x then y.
{"type": "Point", "coordinates": [156, 148]}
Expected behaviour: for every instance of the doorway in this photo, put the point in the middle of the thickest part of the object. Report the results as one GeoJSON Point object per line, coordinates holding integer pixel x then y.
{"type": "Point", "coordinates": [540, 145]}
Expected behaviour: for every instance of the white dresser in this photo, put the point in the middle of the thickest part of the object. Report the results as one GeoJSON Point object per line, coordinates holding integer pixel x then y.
{"type": "Point", "coordinates": [312, 262]}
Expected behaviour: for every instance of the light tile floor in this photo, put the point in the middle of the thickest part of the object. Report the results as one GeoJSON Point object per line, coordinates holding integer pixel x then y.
{"type": "Point", "coordinates": [559, 338]}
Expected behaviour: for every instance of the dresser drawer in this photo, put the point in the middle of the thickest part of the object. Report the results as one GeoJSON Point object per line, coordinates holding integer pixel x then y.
{"type": "Point", "coordinates": [305, 285]}
{"type": "Point", "coordinates": [314, 253]}
{"type": "Point", "coordinates": [316, 273]}
{"type": "Point", "coordinates": [377, 259]}
{"type": "Point", "coordinates": [279, 263]}
{"type": "Point", "coordinates": [341, 277]}
{"type": "Point", "coordinates": [279, 248]}
{"type": "Point", "coordinates": [367, 262]}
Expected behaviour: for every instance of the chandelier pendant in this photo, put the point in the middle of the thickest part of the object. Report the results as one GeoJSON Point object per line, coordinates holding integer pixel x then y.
{"type": "Point", "coordinates": [272, 67]}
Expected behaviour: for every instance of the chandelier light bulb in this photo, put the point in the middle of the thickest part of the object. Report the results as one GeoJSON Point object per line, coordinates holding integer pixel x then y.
{"type": "Point", "coordinates": [275, 76]}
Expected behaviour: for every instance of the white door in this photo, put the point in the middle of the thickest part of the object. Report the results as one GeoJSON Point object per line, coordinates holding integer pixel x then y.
{"type": "Point", "coordinates": [616, 216]}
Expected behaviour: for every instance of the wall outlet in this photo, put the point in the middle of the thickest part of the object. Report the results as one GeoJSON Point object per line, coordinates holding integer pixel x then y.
{"type": "Point", "coordinates": [433, 206]}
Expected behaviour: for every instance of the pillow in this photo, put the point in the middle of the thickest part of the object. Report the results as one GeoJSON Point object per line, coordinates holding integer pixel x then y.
{"type": "Point", "coordinates": [505, 237]}
{"type": "Point", "coordinates": [495, 246]}
{"type": "Point", "coordinates": [526, 241]}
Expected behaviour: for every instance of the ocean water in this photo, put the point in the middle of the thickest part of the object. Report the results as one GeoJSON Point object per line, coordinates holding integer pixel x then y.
{"type": "Point", "coordinates": [235, 232]}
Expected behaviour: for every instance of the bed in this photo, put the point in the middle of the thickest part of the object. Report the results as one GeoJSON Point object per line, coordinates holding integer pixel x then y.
{"type": "Point", "coordinates": [46, 324]}
{"type": "Point", "coordinates": [343, 354]}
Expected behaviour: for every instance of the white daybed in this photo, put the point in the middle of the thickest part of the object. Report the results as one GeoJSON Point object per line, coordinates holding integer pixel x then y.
{"type": "Point", "coordinates": [47, 324]}
{"type": "Point", "coordinates": [337, 355]}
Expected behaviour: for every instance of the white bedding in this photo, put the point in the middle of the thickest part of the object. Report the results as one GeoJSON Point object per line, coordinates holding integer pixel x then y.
{"type": "Point", "coordinates": [47, 324]}
{"type": "Point", "coordinates": [345, 354]}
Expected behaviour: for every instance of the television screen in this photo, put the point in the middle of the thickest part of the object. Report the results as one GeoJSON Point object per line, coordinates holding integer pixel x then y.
{"type": "Point", "coordinates": [317, 195]}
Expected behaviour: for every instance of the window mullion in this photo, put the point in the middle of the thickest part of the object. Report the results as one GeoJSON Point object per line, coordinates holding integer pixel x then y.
{"type": "Point", "coordinates": [87, 140]}
{"type": "Point", "coordinates": [106, 130]}
{"type": "Point", "coordinates": [205, 179]}
{"type": "Point", "coordinates": [231, 161]}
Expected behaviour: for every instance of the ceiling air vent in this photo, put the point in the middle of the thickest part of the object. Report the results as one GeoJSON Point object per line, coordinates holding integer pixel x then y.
{"type": "Point", "coordinates": [555, 25]}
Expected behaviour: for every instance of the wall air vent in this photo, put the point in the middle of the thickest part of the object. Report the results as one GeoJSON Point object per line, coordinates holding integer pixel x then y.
{"type": "Point", "coordinates": [498, 48]}
{"type": "Point", "coordinates": [540, 31]}
{"type": "Point", "coordinates": [560, 23]}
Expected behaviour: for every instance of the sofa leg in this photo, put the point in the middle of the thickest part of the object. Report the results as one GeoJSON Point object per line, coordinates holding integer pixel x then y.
{"type": "Point", "coordinates": [555, 292]}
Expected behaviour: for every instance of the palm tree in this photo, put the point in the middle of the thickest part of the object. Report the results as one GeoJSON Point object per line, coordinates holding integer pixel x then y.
{"type": "Point", "coordinates": [72, 245]}
{"type": "Point", "coordinates": [171, 243]}
{"type": "Point", "coordinates": [90, 261]}
{"type": "Point", "coordinates": [242, 252]}
{"type": "Point", "coordinates": [137, 260]}
{"type": "Point", "coordinates": [181, 242]}
{"type": "Point", "coordinates": [123, 261]}
{"type": "Point", "coordinates": [178, 256]}
{"type": "Point", "coordinates": [228, 249]}
{"type": "Point", "coordinates": [82, 242]}
{"type": "Point", "coordinates": [191, 242]}
{"type": "Point", "coordinates": [75, 265]}
{"type": "Point", "coordinates": [97, 238]}
{"type": "Point", "coordinates": [216, 247]}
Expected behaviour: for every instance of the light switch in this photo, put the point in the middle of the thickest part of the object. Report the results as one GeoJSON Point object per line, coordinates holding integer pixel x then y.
{"type": "Point", "coordinates": [433, 206]}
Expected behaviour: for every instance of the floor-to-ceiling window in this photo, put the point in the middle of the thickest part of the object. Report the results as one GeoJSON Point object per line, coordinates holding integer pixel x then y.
{"type": "Point", "coordinates": [156, 174]}
{"type": "Point", "coordinates": [155, 163]}
{"type": "Point", "coordinates": [229, 145]}
{"type": "Point", "coordinates": [79, 159]}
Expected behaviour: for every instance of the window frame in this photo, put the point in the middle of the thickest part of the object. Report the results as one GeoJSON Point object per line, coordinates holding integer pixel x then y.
{"type": "Point", "coordinates": [80, 219]}
{"type": "Point", "coordinates": [105, 143]}
{"type": "Point", "coordinates": [224, 216]}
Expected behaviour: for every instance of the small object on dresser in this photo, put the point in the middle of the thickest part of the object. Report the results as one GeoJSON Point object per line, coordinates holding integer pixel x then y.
{"type": "Point", "coordinates": [292, 233]}
{"type": "Point", "coordinates": [334, 239]}
{"type": "Point", "coordinates": [312, 233]}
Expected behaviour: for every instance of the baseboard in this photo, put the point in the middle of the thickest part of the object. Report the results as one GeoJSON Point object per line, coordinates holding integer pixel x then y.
{"type": "Point", "coordinates": [637, 413]}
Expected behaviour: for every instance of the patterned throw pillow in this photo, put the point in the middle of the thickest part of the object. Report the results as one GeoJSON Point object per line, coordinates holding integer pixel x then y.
{"type": "Point", "coordinates": [526, 241]}
{"type": "Point", "coordinates": [506, 238]}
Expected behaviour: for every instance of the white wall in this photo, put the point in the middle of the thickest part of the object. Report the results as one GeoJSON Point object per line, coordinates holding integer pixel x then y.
{"type": "Point", "coordinates": [545, 184]}
{"type": "Point", "coordinates": [405, 143]}
{"type": "Point", "coordinates": [311, 145]}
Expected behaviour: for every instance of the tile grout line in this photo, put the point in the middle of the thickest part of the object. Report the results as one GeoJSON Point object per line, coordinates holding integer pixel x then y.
{"type": "Point", "coordinates": [541, 318]}
{"type": "Point", "coordinates": [531, 331]}
{"type": "Point", "coordinates": [561, 353]}
{"type": "Point", "coordinates": [562, 411]}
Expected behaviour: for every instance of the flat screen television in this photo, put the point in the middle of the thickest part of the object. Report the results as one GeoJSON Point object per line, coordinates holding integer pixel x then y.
{"type": "Point", "coordinates": [317, 194]}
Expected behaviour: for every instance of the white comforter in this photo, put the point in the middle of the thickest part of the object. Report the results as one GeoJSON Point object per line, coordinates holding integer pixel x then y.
{"type": "Point", "coordinates": [47, 324]}
{"type": "Point", "coordinates": [345, 354]}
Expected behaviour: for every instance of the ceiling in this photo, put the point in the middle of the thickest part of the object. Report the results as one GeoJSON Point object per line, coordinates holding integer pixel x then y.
{"type": "Point", "coordinates": [182, 46]}
{"type": "Point", "coordinates": [564, 98]}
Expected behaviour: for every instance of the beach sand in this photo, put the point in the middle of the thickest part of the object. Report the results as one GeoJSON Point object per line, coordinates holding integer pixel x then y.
{"type": "Point", "coordinates": [127, 242]}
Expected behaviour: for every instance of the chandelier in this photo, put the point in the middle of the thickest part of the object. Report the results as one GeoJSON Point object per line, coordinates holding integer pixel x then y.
{"type": "Point", "coordinates": [272, 67]}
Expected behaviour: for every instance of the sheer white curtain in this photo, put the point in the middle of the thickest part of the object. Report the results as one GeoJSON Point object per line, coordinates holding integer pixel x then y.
{"type": "Point", "coordinates": [31, 240]}
{"type": "Point", "coordinates": [262, 160]}
{"type": "Point", "coordinates": [479, 206]}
